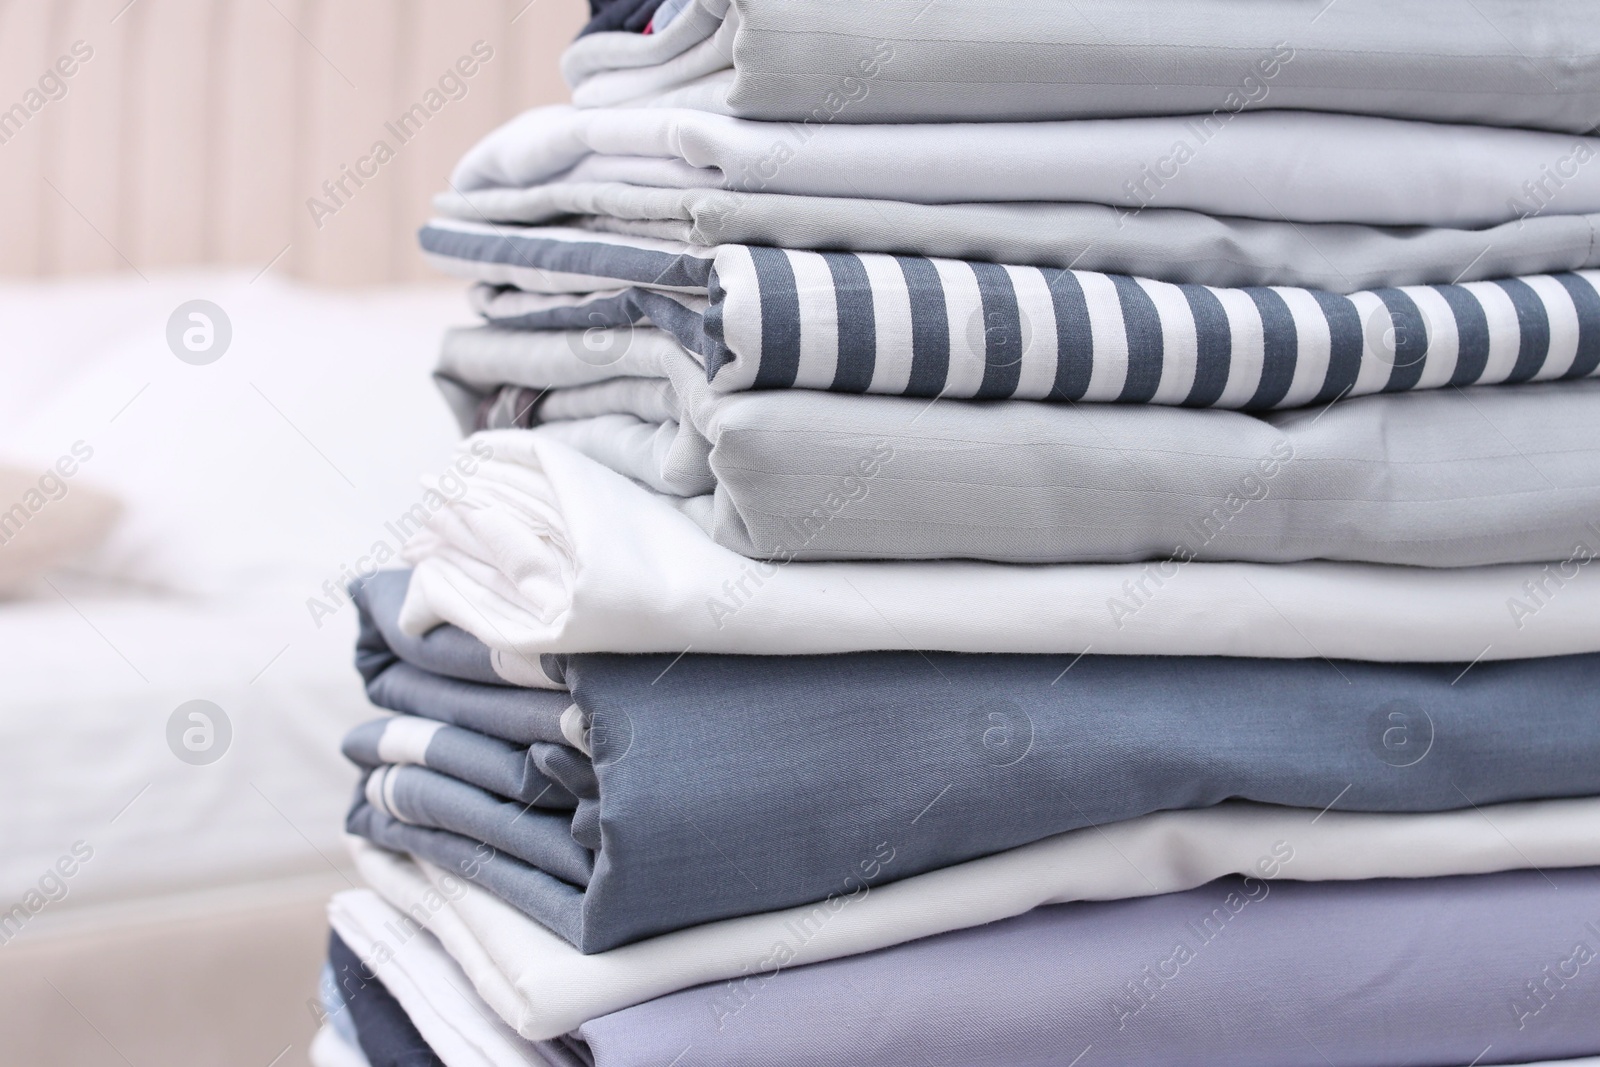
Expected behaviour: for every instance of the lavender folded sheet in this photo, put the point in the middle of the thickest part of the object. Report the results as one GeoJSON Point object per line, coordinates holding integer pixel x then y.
{"type": "Point", "coordinates": [1484, 969]}
{"type": "Point", "coordinates": [1254, 972]}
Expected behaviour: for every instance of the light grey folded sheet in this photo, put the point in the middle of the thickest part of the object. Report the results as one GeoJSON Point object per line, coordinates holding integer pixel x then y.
{"type": "Point", "coordinates": [1275, 164]}
{"type": "Point", "coordinates": [1166, 244]}
{"type": "Point", "coordinates": [1503, 62]}
{"type": "Point", "coordinates": [1446, 478]}
{"type": "Point", "coordinates": [1498, 62]}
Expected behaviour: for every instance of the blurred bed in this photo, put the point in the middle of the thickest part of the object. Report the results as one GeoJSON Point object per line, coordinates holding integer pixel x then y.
{"type": "Point", "coordinates": [165, 880]}
{"type": "Point", "coordinates": [192, 929]}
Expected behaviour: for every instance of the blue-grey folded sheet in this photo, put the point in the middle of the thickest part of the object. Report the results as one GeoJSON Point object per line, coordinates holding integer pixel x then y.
{"type": "Point", "coordinates": [730, 785]}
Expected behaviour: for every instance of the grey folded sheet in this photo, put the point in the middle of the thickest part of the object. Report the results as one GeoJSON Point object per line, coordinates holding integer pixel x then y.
{"type": "Point", "coordinates": [719, 786]}
{"type": "Point", "coordinates": [1494, 62]}
{"type": "Point", "coordinates": [1161, 243]}
{"type": "Point", "coordinates": [1484, 969]}
{"type": "Point", "coordinates": [1445, 478]}
{"type": "Point", "coordinates": [1500, 62]}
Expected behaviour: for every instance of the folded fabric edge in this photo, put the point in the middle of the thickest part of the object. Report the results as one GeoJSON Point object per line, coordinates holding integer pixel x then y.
{"type": "Point", "coordinates": [556, 988]}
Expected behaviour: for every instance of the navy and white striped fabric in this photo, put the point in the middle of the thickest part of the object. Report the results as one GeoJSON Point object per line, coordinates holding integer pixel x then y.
{"type": "Point", "coordinates": [768, 318]}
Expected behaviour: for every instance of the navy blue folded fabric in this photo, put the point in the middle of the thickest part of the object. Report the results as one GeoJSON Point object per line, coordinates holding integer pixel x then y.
{"type": "Point", "coordinates": [730, 785]}
{"type": "Point", "coordinates": [631, 16]}
{"type": "Point", "coordinates": [387, 1036]}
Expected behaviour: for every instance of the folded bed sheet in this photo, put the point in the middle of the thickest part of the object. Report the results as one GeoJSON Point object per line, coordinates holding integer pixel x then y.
{"type": "Point", "coordinates": [764, 318]}
{"type": "Point", "coordinates": [1280, 974]}
{"type": "Point", "coordinates": [412, 997]}
{"type": "Point", "coordinates": [546, 550]}
{"type": "Point", "coordinates": [727, 786]}
{"type": "Point", "coordinates": [1484, 61]}
{"type": "Point", "coordinates": [1448, 478]}
{"type": "Point", "coordinates": [527, 986]}
{"type": "Point", "coordinates": [1157, 242]}
{"type": "Point", "coordinates": [544, 987]}
{"type": "Point", "coordinates": [448, 1014]}
{"type": "Point", "coordinates": [1295, 166]}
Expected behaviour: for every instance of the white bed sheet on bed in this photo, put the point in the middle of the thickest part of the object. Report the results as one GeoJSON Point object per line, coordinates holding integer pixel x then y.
{"type": "Point", "coordinates": [248, 484]}
{"type": "Point", "coordinates": [84, 753]}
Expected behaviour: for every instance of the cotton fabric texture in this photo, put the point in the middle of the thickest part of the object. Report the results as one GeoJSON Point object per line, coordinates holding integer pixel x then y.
{"type": "Point", "coordinates": [762, 318]}
{"type": "Point", "coordinates": [702, 767]}
{"type": "Point", "coordinates": [1040, 987]}
{"type": "Point", "coordinates": [1158, 242]}
{"type": "Point", "coordinates": [1296, 166]}
{"type": "Point", "coordinates": [385, 1032]}
{"type": "Point", "coordinates": [549, 551]}
{"type": "Point", "coordinates": [1445, 478]}
{"type": "Point", "coordinates": [532, 775]}
{"type": "Point", "coordinates": [446, 1008]}
{"type": "Point", "coordinates": [519, 714]}
{"type": "Point", "coordinates": [418, 998]}
{"type": "Point", "coordinates": [544, 987]}
{"type": "Point", "coordinates": [1497, 63]}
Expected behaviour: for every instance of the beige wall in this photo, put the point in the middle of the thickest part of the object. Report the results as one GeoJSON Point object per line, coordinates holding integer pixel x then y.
{"type": "Point", "coordinates": [198, 129]}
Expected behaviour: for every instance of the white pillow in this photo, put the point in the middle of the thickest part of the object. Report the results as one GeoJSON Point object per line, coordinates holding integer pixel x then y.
{"type": "Point", "coordinates": [284, 460]}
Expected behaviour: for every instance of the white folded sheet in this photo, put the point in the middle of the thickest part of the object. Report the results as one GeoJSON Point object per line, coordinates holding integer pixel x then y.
{"type": "Point", "coordinates": [1294, 165]}
{"type": "Point", "coordinates": [543, 987]}
{"type": "Point", "coordinates": [549, 551]}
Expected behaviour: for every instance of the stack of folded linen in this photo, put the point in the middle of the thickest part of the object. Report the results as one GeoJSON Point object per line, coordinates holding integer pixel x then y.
{"type": "Point", "coordinates": [1080, 585]}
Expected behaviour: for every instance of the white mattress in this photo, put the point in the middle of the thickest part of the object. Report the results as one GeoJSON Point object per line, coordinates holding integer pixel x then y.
{"type": "Point", "coordinates": [248, 484]}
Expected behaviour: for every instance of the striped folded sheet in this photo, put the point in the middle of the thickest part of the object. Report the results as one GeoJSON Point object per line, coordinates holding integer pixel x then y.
{"type": "Point", "coordinates": [765, 318]}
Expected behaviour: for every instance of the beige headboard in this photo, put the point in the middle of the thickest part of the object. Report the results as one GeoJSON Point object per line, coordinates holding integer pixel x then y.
{"type": "Point", "coordinates": [153, 134]}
